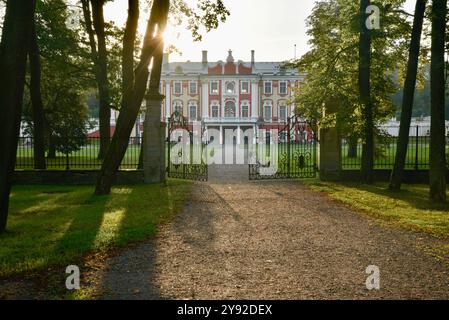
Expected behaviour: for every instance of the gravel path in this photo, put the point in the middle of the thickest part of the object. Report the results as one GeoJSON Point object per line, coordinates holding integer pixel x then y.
{"type": "Point", "coordinates": [273, 240]}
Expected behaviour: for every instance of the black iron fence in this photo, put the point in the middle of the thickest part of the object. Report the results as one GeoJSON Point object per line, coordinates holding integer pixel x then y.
{"type": "Point", "coordinates": [386, 146]}
{"type": "Point", "coordinates": [85, 158]}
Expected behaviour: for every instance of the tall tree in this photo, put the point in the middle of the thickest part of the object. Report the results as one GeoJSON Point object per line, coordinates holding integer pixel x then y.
{"type": "Point", "coordinates": [408, 96]}
{"type": "Point", "coordinates": [135, 80]}
{"type": "Point", "coordinates": [365, 94]}
{"type": "Point", "coordinates": [14, 46]}
{"type": "Point", "coordinates": [37, 105]}
{"type": "Point", "coordinates": [134, 85]}
{"type": "Point", "coordinates": [438, 168]}
{"type": "Point", "coordinates": [95, 26]}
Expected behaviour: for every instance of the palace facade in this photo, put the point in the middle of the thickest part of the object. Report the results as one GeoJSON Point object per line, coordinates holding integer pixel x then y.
{"type": "Point", "coordinates": [229, 94]}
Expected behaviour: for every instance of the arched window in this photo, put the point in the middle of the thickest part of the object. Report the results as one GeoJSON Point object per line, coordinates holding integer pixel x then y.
{"type": "Point", "coordinates": [177, 108]}
{"type": "Point", "coordinates": [230, 87]}
{"type": "Point", "coordinates": [229, 110]}
{"type": "Point", "coordinates": [268, 111]}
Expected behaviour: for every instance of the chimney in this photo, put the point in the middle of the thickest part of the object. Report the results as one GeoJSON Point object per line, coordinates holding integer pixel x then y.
{"type": "Point", "coordinates": [204, 57]}
{"type": "Point", "coordinates": [253, 58]}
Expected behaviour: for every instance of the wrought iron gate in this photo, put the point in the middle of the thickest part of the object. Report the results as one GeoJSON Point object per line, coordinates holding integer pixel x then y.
{"type": "Point", "coordinates": [185, 150]}
{"type": "Point", "coordinates": [287, 153]}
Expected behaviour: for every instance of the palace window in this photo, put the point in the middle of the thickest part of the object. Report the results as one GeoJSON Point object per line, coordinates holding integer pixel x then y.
{"type": "Point", "coordinates": [178, 87]}
{"type": "Point", "coordinates": [230, 87]}
{"type": "Point", "coordinates": [215, 111]}
{"type": "Point", "coordinates": [229, 110]}
{"type": "Point", "coordinates": [178, 108]}
{"type": "Point", "coordinates": [193, 87]}
{"type": "Point", "coordinates": [244, 88]}
{"type": "Point", "coordinates": [268, 87]}
{"type": "Point", "coordinates": [267, 112]}
{"type": "Point", "coordinates": [283, 87]}
{"type": "Point", "coordinates": [282, 113]}
{"type": "Point", "coordinates": [192, 112]}
{"type": "Point", "coordinates": [214, 87]}
{"type": "Point", "coordinates": [245, 111]}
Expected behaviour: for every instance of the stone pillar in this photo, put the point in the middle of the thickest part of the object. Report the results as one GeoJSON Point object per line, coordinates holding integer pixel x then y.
{"type": "Point", "coordinates": [238, 135]}
{"type": "Point", "coordinates": [154, 139]}
{"type": "Point", "coordinates": [330, 150]}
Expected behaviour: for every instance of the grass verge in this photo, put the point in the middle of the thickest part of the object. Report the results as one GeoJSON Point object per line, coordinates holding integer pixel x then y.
{"type": "Point", "coordinates": [57, 225]}
{"type": "Point", "coordinates": [409, 208]}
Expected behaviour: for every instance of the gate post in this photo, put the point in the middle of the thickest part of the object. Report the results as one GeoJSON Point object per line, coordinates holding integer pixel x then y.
{"type": "Point", "coordinates": [330, 149]}
{"type": "Point", "coordinates": [154, 148]}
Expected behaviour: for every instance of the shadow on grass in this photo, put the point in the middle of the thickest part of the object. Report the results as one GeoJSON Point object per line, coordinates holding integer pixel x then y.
{"type": "Point", "coordinates": [415, 195]}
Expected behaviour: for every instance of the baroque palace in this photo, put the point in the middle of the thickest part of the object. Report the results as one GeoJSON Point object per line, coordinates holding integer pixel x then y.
{"type": "Point", "coordinates": [229, 95]}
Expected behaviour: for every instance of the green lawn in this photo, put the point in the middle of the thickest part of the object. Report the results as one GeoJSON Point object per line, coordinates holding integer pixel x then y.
{"type": "Point", "coordinates": [85, 159]}
{"type": "Point", "coordinates": [385, 159]}
{"type": "Point", "coordinates": [57, 225]}
{"type": "Point", "coordinates": [409, 208]}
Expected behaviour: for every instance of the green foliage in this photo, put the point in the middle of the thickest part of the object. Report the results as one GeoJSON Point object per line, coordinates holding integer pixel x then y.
{"type": "Point", "coordinates": [332, 63]}
{"type": "Point", "coordinates": [65, 77]}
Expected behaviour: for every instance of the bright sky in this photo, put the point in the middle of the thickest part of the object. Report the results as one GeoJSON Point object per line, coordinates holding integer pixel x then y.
{"type": "Point", "coordinates": [272, 28]}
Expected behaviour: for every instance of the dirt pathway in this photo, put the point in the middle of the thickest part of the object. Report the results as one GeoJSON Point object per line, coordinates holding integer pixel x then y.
{"type": "Point", "coordinates": [273, 240]}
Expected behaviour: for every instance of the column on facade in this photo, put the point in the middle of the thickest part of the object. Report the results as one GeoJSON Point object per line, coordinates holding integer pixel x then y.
{"type": "Point", "coordinates": [238, 135]}
{"type": "Point", "coordinates": [167, 100]}
{"type": "Point", "coordinates": [221, 135]}
{"type": "Point", "coordinates": [205, 98]}
{"type": "Point", "coordinates": [254, 99]}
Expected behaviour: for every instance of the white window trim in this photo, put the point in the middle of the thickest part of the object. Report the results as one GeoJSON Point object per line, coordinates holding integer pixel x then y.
{"type": "Point", "coordinates": [264, 87]}
{"type": "Point", "coordinates": [245, 104]}
{"type": "Point", "coordinates": [178, 103]}
{"type": "Point", "coordinates": [174, 87]}
{"type": "Point", "coordinates": [279, 112]}
{"type": "Point", "coordinates": [196, 87]}
{"type": "Point", "coordinates": [196, 110]}
{"type": "Point", "coordinates": [218, 88]}
{"type": "Point", "coordinates": [265, 105]}
{"type": "Point", "coordinates": [241, 87]}
{"type": "Point", "coordinates": [226, 87]}
{"type": "Point", "coordinates": [215, 104]}
{"type": "Point", "coordinates": [286, 86]}
{"type": "Point", "coordinates": [235, 110]}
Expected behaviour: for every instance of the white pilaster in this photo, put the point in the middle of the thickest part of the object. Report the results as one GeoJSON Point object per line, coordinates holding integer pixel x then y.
{"type": "Point", "coordinates": [238, 135]}
{"type": "Point", "coordinates": [167, 99]}
{"type": "Point", "coordinates": [205, 99]}
{"type": "Point", "coordinates": [254, 99]}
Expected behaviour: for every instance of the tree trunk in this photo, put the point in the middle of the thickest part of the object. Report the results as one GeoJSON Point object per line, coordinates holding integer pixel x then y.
{"type": "Point", "coordinates": [102, 77]}
{"type": "Point", "coordinates": [409, 95]}
{"type": "Point", "coordinates": [438, 168]}
{"type": "Point", "coordinates": [36, 103]}
{"type": "Point", "coordinates": [365, 95]}
{"type": "Point", "coordinates": [133, 92]}
{"type": "Point", "coordinates": [14, 47]}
